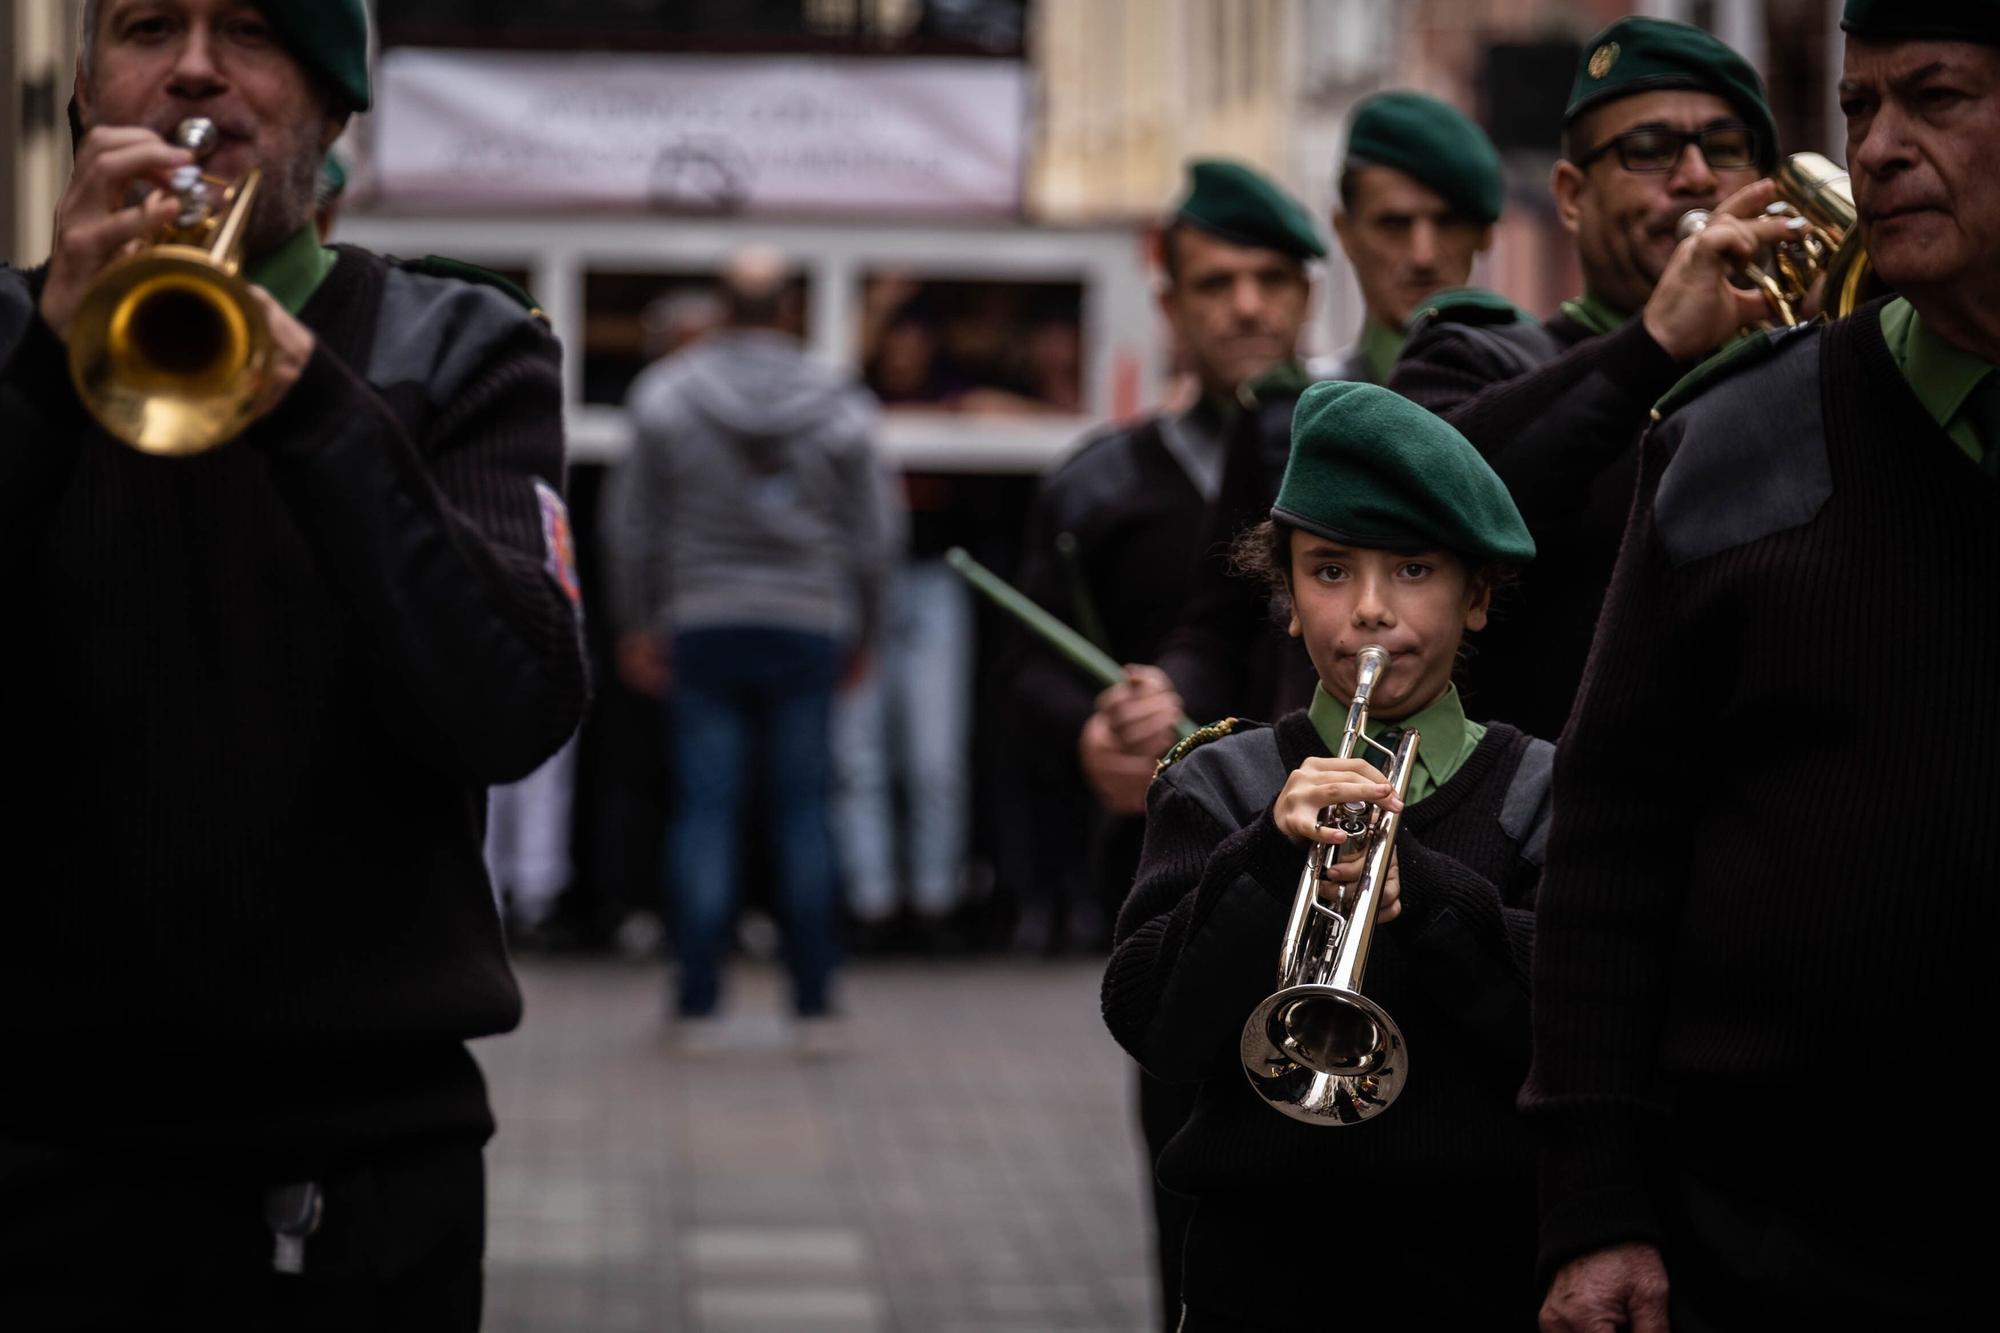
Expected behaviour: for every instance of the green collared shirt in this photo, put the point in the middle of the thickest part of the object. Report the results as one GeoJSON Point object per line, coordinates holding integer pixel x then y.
{"type": "Point", "coordinates": [1381, 345]}
{"type": "Point", "coordinates": [1288, 378]}
{"type": "Point", "coordinates": [293, 272]}
{"type": "Point", "coordinates": [1595, 313]}
{"type": "Point", "coordinates": [1449, 737]}
{"type": "Point", "coordinates": [1942, 376]}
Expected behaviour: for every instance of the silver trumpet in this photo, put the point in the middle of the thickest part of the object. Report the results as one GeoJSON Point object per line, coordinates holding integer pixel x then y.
{"type": "Point", "coordinates": [1318, 1049]}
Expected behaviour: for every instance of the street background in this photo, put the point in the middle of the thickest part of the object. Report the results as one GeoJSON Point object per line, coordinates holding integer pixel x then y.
{"type": "Point", "coordinates": [967, 1164]}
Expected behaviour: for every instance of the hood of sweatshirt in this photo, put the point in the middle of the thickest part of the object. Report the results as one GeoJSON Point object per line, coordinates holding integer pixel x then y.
{"type": "Point", "coordinates": [760, 384]}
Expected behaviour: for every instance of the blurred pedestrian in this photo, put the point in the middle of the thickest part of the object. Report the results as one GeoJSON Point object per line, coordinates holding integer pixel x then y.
{"type": "Point", "coordinates": [1662, 118]}
{"type": "Point", "coordinates": [528, 847]}
{"type": "Point", "coordinates": [1111, 546]}
{"type": "Point", "coordinates": [748, 535]}
{"type": "Point", "coordinates": [251, 705]}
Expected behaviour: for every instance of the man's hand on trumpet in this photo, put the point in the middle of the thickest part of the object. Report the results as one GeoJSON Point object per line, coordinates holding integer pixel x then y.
{"type": "Point", "coordinates": [1695, 307]}
{"type": "Point", "coordinates": [96, 222]}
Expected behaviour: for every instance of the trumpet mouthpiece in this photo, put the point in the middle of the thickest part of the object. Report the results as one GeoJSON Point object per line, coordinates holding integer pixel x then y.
{"type": "Point", "coordinates": [1692, 222]}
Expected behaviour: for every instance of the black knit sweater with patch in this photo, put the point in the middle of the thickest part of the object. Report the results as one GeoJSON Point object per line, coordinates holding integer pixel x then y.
{"type": "Point", "coordinates": [251, 701]}
{"type": "Point", "coordinates": [1445, 1173]}
{"type": "Point", "coordinates": [1766, 930]}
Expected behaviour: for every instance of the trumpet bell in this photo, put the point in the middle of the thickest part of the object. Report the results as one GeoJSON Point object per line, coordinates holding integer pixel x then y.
{"type": "Point", "coordinates": [168, 351]}
{"type": "Point", "coordinates": [1324, 1054]}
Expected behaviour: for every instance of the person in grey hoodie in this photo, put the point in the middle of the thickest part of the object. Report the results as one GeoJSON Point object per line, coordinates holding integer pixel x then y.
{"type": "Point", "coordinates": [748, 536]}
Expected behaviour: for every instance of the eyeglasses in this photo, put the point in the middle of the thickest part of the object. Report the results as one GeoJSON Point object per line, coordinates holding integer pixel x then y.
{"type": "Point", "coordinates": [1656, 148]}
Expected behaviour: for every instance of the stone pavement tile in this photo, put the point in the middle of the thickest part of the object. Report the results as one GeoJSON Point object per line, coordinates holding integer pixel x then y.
{"type": "Point", "coordinates": [768, 1309]}
{"type": "Point", "coordinates": [776, 1252]}
{"type": "Point", "coordinates": [966, 1163]}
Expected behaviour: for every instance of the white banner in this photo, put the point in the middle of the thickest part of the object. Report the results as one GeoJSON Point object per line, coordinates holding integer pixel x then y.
{"type": "Point", "coordinates": [725, 134]}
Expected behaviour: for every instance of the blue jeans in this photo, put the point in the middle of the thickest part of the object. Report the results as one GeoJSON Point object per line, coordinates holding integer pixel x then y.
{"type": "Point", "coordinates": [911, 716]}
{"type": "Point", "coordinates": [739, 692]}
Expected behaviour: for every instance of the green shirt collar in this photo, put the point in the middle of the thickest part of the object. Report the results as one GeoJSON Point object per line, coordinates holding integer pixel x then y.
{"type": "Point", "coordinates": [1449, 737]}
{"type": "Point", "coordinates": [1941, 375]}
{"type": "Point", "coordinates": [1288, 378]}
{"type": "Point", "coordinates": [293, 271]}
{"type": "Point", "coordinates": [1595, 313]}
{"type": "Point", "coordinates": [1381, 345]}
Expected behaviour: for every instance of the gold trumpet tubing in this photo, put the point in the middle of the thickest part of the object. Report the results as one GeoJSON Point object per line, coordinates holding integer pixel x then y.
{"type": "Point", "coordinates": [1775, 294]}
{"type": "Point", "coordinates": [226, 251]}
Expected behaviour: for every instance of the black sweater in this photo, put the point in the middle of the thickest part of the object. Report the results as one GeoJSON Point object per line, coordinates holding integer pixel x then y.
{"type": "Point", "coordinates": [1196, 951]}
{"type": "Point", "coordinates": [1768, 917]}
{"type": "Point", "coordinates": [1135, 518]}
{"type": "Point", "coordinates": [251, 701]}
{"type": "Point", "coordinates": [1229, 655]}
{"type": "Point", "coordinates": [1564, 437]}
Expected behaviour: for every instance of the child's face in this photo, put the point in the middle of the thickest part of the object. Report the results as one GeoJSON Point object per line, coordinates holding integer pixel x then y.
{"type": "Point", "coordinates": [1418, 606]}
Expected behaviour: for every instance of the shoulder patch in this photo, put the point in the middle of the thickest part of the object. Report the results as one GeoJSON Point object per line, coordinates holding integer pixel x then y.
{"type": "Point", "coordinates": [558, 542]}
{"type": "Point", "coordinates": [1748, 455]}
{"type": "Point", "coordinates": [1525, 810]}
{"type": "Point", "coordinates": [1744, 352]}
{"type": "Point", "coordinates": [1201, 736]}
{"type": "Point", "coordinates": [438, 266]}
{"type": "Point", "coordinates": [1466, 305]}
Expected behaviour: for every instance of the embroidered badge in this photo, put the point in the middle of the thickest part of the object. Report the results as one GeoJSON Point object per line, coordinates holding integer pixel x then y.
{"type": "Point", "coordinates": [558, 542]}
{"type": "Point", "coordinates": [1602, 59]}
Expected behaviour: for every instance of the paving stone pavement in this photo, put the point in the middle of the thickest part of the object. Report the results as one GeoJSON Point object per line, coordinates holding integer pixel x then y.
{"type": "Point", "coordinates": [966, 1162]}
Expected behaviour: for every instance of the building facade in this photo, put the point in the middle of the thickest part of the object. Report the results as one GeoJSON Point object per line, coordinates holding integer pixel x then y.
{"type": "Point", "coordinates": [35, 74]}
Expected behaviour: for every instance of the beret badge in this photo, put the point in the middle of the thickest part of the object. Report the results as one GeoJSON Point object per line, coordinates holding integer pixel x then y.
{"type": "Point", "coordinates": [1602, 59]}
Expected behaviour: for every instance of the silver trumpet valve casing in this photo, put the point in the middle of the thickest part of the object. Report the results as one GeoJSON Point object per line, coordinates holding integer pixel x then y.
{"type": "Point", "coordinates": [1317, 1049]}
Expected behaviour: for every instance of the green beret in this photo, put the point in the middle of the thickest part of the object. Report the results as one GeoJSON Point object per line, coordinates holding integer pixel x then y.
{"type": "Point", "coordinates": [332, 179]}
{"type": "Point", "coordinates": [1372, 468]}
{"type": "Point", "coordinates": [1436, 145]}
{"type": "Point", "coordinates": [1642, 55]}
{"type": "Point", "coordinates": [1935, 20]}
{"type": "Point", "coordinates": [1230, 201]}
{"type": "Point", "coordinates": [328, 37]}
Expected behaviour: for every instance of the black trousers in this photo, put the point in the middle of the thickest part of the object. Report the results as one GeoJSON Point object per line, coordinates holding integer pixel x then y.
{"type": "Point", "coordinates": [97, 1241]}
{"type": "Point", "coordinates": [1751, 1253]}
{"type": "Point", "coordinates": [1399, 1260]}
{"type": "Point", "coordinates": [1163, 1109]}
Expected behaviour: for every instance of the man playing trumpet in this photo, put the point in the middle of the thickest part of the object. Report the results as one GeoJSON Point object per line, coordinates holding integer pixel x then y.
{"type": "Point", "coordinates": [250, 706]}
{"type": "Point", "coordinates": [1750, 1069]}
{"type": "Point", "coordinates": [1662, 118]}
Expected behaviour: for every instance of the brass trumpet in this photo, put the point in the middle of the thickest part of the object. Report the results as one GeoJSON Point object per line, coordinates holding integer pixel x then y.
{"type": "Point", "coordinates": [169, 348]}
{"type": "Point", "coordinates": [1813, 188]}
{"type": "Point", "coordinates": [1317, 1049]}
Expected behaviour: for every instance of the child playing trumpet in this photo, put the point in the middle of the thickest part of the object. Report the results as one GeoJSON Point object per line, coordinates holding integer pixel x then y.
{"type": "Point", "coordinates": [1389, 529]}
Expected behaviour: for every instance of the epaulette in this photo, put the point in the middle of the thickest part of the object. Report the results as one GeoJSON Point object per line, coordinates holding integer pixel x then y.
{"type": "Point", "coordinates": [438, 266]}
{"type": "Point", "coordinates": [1201, 736]}
{"type": "Point", "coordinates": [1748, 350]}
{"type": "Point", "coordinates": [1465, 305]}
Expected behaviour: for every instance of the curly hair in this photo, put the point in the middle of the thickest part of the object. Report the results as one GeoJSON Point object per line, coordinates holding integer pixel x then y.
{"type": "Point", "coordinates": [1263, 552]}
